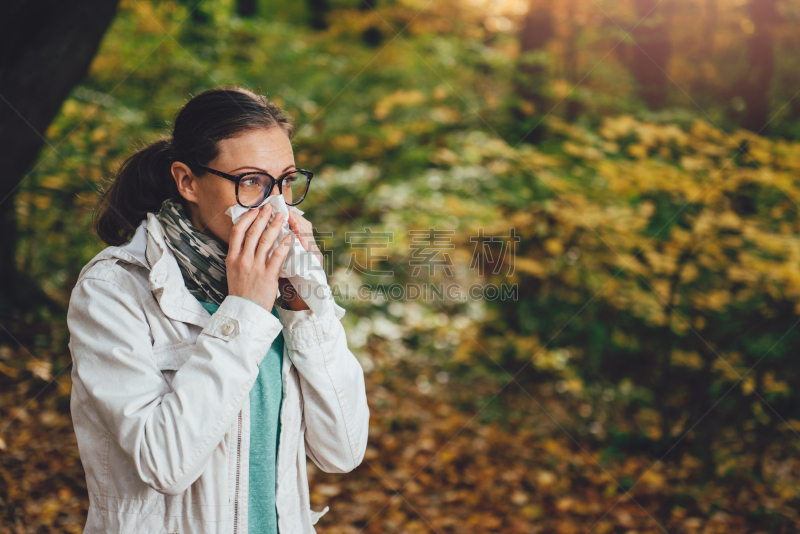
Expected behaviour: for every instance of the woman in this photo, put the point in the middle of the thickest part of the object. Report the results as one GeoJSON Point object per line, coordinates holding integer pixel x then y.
{"type": "Point", "coordinates": [195, 400]}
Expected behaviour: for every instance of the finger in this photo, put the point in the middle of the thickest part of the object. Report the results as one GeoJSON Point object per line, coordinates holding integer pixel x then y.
{"type": "Point", "coordinates": [305, 233]}
{"type": "Point", "coordinates": [238, 232]}
{"type": "Point", "coordinates": [268, 238]}
{"type": "Point", "coordinates": [253, 234]}
{"type": "Point", "coordinates": [306, 241]}
{"type": "Point", "coordinates": [276, 260]}
{"type": "Point", "coordinates": [302, 228]}
{"type": "Point", "coordinates": [299, 220]}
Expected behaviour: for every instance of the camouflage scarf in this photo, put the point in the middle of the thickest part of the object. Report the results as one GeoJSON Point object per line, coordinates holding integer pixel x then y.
{"type": "Point", "coordinates": [200, 257]}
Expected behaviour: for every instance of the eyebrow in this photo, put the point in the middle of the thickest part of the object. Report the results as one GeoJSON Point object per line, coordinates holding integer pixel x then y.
{"type": "Point", "coordinates": [262, 170]}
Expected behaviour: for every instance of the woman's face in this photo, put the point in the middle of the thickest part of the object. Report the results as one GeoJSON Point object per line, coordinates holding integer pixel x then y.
{"type": "Point", "coordinates": [209, 196]}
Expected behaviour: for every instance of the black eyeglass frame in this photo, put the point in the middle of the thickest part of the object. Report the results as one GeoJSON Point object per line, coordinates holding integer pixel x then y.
{"type": "Point", "coordinates": [236, 178]}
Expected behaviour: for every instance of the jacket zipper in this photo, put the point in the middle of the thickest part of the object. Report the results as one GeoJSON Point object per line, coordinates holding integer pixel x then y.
{"type": "Point", "coordinates": [238, 460]}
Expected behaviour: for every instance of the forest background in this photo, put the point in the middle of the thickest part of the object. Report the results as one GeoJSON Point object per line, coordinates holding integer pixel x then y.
{"type": "Point", "coordinates": [626, 168]}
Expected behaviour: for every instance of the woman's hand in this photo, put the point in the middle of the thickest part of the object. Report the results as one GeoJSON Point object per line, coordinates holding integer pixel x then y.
{"type": "Point", "coordinates": [250, 274]}
{"type": "Point", "coordinates": [304, 232]}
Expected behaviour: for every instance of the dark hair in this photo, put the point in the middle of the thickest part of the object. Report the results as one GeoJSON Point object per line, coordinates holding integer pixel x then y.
{"type": "Point", "coordinates": [144, 180]}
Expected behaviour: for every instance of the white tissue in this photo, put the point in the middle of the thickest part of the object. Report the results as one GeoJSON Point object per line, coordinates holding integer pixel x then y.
{"type": "Point", "coordinates": [301, 267]}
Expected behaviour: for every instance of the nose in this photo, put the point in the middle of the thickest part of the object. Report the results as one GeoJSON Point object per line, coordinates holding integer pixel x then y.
{"type": "Point", "coordinates": [287, 192]}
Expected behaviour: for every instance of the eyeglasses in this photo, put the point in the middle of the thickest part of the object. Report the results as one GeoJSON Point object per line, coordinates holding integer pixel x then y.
{"type": "Point", "coordinates": [253, 187]}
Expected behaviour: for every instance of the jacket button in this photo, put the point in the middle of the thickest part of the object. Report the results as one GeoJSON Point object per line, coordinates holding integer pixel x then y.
{"type": "Point", "coordinates": [227, 329]}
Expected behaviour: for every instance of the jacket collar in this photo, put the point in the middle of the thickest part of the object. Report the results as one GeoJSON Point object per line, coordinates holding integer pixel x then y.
{"type": "Point", "coordinates": [148, 249]}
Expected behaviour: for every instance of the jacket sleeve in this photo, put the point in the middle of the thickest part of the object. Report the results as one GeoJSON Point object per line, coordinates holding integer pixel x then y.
{"type": "Point", "coordinates": [332, 382]}
{"type": "Point", "coordinates": [168, 436]}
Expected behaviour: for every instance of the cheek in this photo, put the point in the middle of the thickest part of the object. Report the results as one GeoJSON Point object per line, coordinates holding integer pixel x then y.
{"type": "Point", "coordinates": [213, 204]}
{"type": "Point", "coordinates": [212, 192]}
{"type": "Point", "coordinates": [218, 195]}
{"type": "Point", "coordinates": [219, 225]}
{"type": "Point", "coordinates": [223, 192]}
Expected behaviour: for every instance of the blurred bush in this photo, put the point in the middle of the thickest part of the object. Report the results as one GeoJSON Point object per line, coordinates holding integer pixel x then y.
{"type": "Point", "coordinates": [658, 274]}
{"type": "Point", "coordinates": [656, 266]}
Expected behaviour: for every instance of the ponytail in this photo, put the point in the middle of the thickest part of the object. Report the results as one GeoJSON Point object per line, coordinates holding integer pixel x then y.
{"type": "Point", "coordinates": [144, 181]}
{"type": "Point", "coordinates": [141, 185]}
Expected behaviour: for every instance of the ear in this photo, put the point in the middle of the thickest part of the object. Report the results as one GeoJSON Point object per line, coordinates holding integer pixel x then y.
{"type": "Point", "coordinates": [185, 180]}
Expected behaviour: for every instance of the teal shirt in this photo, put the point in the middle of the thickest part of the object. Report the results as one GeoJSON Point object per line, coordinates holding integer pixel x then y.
{"type": "Point", "coordinates": [265, 406]}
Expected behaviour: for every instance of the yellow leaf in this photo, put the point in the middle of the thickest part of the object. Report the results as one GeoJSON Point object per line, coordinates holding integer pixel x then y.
{"type": "Point", "coordinates": [8, 371]}
{"type": "Point", "coordinates": [654, 479]}
{"type": "Point", "coordinates": [71, 108]}
{"type": "Point", "coordinates": [42, 202]}
{"type": "Point", "coordinates": [689, 273]}
{"type": "Point", "coordinates": [554, 247]}
{"type": "Point", "coordinates": [637, 150]}
{"type": "Point", "coordinates": [688, 359]}
{"type": "Point", "coordinates": [400, 97]}
{"type": "Point", "coordinates": [564, 504]}
{"type": "Point", "coordinates": [527, 108]}
{"type": "Point", "coordinates": [545, 478]}
{"type": "Point", "coordinates": [792, 424]}
{"type": "Point", "coordinates": [531, 267]}
{"type": "Point", "coordinates": [99, 134]}
{"type": "Point", "coordinates": [345, 142]}
{"type": "Point", "coordinates": [52, 182]}
{"type": "Point", "coordinates": [584, 152]}
{"type": "Point", "coordinates": [748, 385]}
{"type": "Point", "coordinates": [40, 369]}
{"type": "Point", "coordinates": [575, 385]}
{"type": "Point", "coordinates": [775, 386]}
{"type": "Point", "coordinates": [532, 511]}
{"type": "Point", "coordinates": [328, 490]}
{"type": "Point", "coordinates": [445, 114]}
{"type": "Point", "coordinates": [49, 510]}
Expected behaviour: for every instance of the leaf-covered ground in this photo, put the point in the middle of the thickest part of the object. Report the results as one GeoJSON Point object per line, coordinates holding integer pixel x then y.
{"type": "Point", "coordinates": [446, 455]}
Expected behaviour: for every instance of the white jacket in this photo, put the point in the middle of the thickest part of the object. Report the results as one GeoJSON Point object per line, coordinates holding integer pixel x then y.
{"type": "Point", "coordinates": [160, 398]}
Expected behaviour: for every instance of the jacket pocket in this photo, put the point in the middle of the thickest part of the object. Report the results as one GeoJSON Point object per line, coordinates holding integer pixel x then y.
{"type": "Point", "coordinates": [172, 357]}
{"type": "Point", "coordinates": [130, 505]}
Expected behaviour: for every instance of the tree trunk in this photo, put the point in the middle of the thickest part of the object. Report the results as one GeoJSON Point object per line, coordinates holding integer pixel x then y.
{"type": "Point", "coordinates": [246, 8]}
{"type": "Point", "coordinates": [373, 35]}
{"type": "Point", "coordinates": [761, 65]}
{"type": "Point", "coordinates": [318, 10]}
{"type": "Point", "coordinates": [702, 89]}
{"type": "Point", "coordinates": [47, 48]}
{"type": "Point", "coordinates": [649, 59]}
{"type": "Point", "coordinates": [536, 32]}
{"type": "Point", "coordinates": [197, 14]}
{"type": "Point", "coordinates": [571, 60]}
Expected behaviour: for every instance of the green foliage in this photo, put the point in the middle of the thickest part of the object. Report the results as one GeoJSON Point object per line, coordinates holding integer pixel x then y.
{"type": "Point", "coordinates": [657, 267]}
{"type": "Point", "coordinates": [683, 247]}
